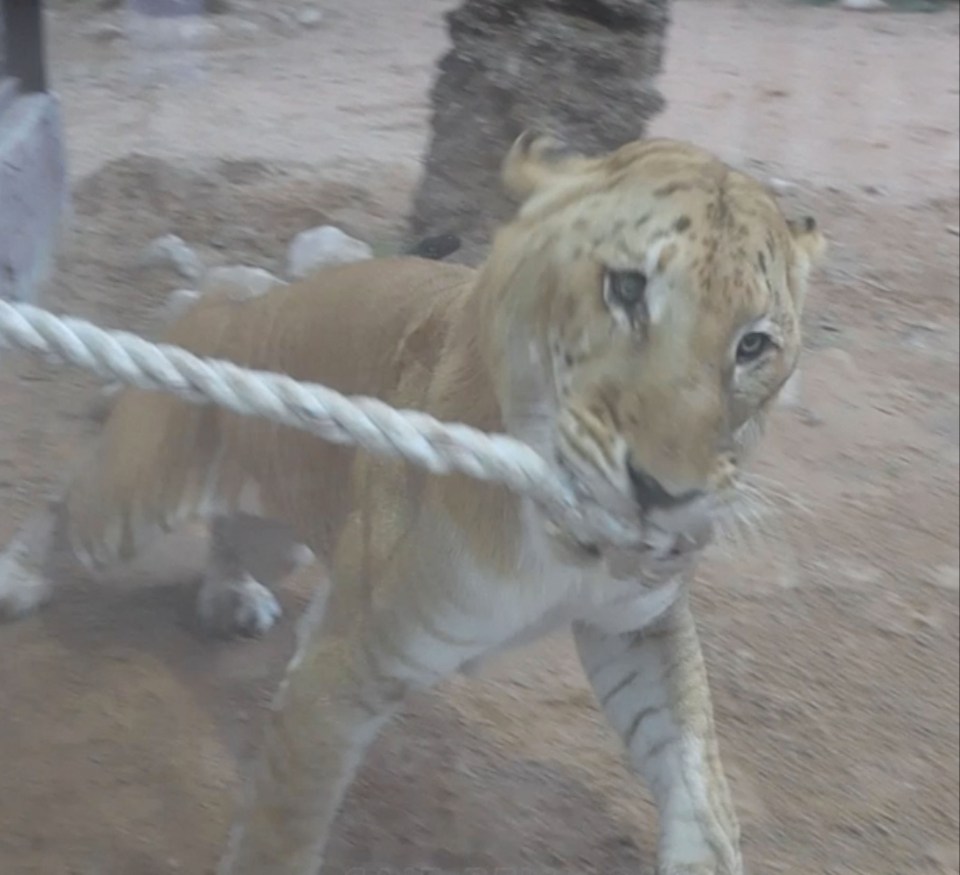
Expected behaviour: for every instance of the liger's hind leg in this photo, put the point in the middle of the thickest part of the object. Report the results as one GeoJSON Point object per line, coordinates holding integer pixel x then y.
{"type": "Point", "coordinates": [246, 555]}
{"type": "Point", "coordinates": [26, 575]}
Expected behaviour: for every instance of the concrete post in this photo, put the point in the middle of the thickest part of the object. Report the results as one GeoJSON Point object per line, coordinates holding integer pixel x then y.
{"type": "Point", "coordinates": [33, 176]}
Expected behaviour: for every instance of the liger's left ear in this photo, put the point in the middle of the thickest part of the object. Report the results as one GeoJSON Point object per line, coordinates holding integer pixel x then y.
{"type": "Point", "coordinates": [809, 248]}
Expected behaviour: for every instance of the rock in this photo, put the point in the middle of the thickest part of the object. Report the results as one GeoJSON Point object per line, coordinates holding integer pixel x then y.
{"type": "Point", "coordinates": [809, 417]}
{"type": "Point", "coordinates": [864, 5]}
{"type": "Point", "coordinates": [792, 393]}
{"type": "Point", "coordinates": [171, 251]}
{"type": "Point", "coordinates": [178, 303]}
{"type": "Point", "coordinates": [196, 32]}
{"type": "Point", "coordinates": [781, 186]}
{"type": "Point", "coordinates": [102, 403]}
{"type": "Point", "coordinates": [321, 246]}
{"type": "Point", "coordinates": [240, 281]}
{"type": "Point", "coordinates": [946, 577]}
{"type": "Point", "coordinates": [241, 27]}
{"type": "Point", "coordinates": [156, 34]}
{"type": "Point", "coordinates": [309, 17]}
{"type": "Point", "coordinates": [283, 21]}
{"type": "Point", "coordinates": [942, 859]}
{"type": "Point", "coordinates": [435, 248]}
{"type": "Point", "coordinates": [839, 362]}
{"type": "Point", "coordinates": [105, 32]}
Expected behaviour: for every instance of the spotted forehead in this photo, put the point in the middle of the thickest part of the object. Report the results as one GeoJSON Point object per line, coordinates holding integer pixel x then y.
{"type": "Point", "coordinates": [723, 230]}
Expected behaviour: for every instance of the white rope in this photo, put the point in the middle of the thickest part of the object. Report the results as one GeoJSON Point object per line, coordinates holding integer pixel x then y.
{"type": "Point", "coordinates": [439, 447]}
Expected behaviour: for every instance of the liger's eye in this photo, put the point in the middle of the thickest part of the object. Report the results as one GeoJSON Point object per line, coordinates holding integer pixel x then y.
{"type": "Point", "coordinates": [627, 290]}
{"type": "Point", "coordinates": [752, 346]}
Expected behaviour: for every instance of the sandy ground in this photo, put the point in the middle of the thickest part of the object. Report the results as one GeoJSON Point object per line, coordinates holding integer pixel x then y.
{"type": "Point", "coordinates": [832, 648]}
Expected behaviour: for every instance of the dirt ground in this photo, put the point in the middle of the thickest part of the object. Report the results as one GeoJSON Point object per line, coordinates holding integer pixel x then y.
{"type": "Point", "coordinates": [832, 647]}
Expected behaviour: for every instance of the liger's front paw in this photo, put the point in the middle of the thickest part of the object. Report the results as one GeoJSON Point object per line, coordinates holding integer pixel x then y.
{"type": "Point", "coordinates": [704, 867]}
{"type": "Point", "coordinates": [697, 869]}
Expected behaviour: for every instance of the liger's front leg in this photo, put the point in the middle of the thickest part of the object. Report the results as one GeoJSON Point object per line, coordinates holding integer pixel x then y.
{"type": "Point", "coordinates": [652, 685]}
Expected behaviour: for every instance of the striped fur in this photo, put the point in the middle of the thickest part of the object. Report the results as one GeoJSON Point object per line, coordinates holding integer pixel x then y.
{"type": "Point", "coordinates": [430, 575]}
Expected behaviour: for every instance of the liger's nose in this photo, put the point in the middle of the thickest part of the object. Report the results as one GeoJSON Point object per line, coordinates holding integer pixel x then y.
{"type": "Point", "coordinates": [650, 492]}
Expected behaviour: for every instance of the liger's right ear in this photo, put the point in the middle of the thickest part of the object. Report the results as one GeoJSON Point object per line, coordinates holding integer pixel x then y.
{"type": "Point", "coordinates": [537, 161]}
{"type": "Point", "coordinates": [809, 249]}
{"type": "Point", "coordinates": [808, 238]}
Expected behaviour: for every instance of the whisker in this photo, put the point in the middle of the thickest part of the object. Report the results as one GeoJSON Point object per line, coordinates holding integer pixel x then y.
{"type": "Point", "coordinates": [774, 491]}
{"type": "Point", "coordinates": [751, 515]}
{"type": "Point", "coordinates": [728, 541]}
{"type": "Point", "coordinates": [755, 531]}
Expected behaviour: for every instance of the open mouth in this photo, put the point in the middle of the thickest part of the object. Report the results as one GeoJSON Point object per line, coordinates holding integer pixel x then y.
{"type": "Point", "coordinates": [665, 537]}
{"type": "Point", "coordinates": [601, 489]}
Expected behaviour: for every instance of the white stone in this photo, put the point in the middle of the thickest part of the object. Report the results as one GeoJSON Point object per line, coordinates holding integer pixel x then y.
{"type": "Point", "coordinates": [840, 362]}
{"type": "Point", "coordinates": [171, 251]}
{"type": "Point", "coordinates": [240, 281]}
{"type": "Point", "coordinates": [791, 395]}
{"type": "Point", "coordinates": [326, 245]}
{"type": "Point", "coordinates": [240, 27]}
{"type": "Point", "coordinates": [153, 33]}
{"type": "Point", "coordinates": [105, 32]}
{"type": "Point", "coordinates": [178, 303]}
{"type": "Point", "coordinates": [864, 5]}
{"type": "Point", "coordinates": [283, 20]}
{"type": "Point", "coordinates": [309, 16]}
{"type": "Point", "coordinates": [946, 577]}
{"type": "Point", "coordinates": [197, 32]}
{"type": "Point", "coordinates": [781, 186]}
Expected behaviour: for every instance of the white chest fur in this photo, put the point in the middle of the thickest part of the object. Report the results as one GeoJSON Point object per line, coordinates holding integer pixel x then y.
{"type": "Point", "coordinates": [547, 594]}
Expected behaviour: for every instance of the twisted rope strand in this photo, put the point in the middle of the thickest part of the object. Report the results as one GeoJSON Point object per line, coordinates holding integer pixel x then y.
{"type": "Point", "coordinates": [441, 448]}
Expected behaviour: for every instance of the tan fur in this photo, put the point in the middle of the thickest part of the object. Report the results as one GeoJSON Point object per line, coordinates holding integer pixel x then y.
{"type": "Point", "coordinates": [430, 574]}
